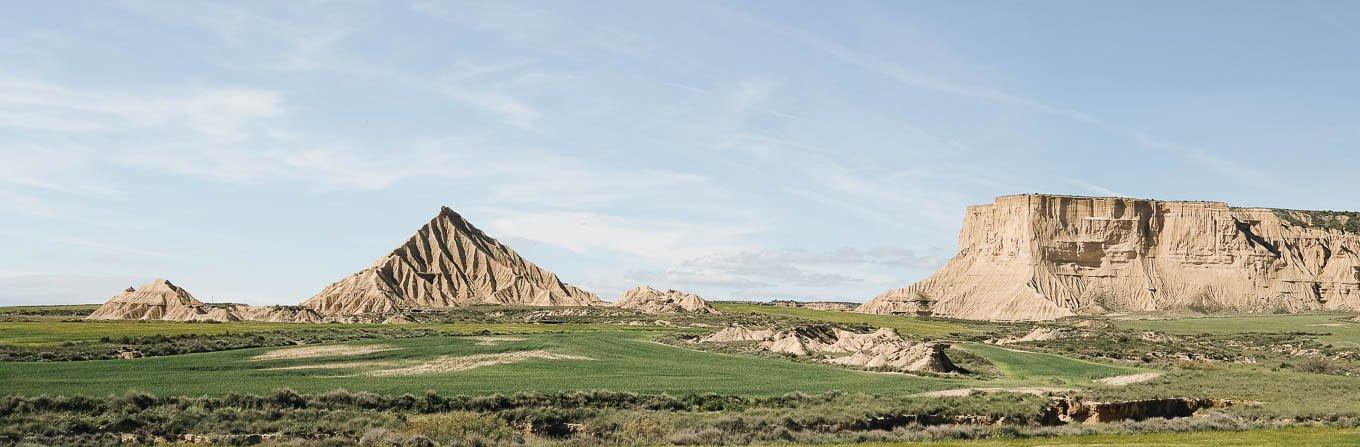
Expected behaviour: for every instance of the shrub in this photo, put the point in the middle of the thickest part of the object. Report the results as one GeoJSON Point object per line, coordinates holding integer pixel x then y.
{"type": "Point", "coordinates": [642, 430]}
{"type": "Point", "coordinates": [1315, 365]}
{"type": "Point", "coordinates": [460, 428]}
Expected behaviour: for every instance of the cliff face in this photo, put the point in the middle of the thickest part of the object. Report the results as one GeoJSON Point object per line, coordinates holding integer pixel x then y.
{"type": "Point", "coordinates": [1036, 257]}
{"type": "Point", "coordinates": [447, 263]}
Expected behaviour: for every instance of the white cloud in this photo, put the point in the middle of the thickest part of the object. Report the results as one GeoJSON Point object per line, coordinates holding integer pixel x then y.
{"type": "Point", "coordinates": [587, 232]}
{"type": "Point", "coordinates": [789, 272]}
{"type": "Point", "coordinates": [534, 28]}
{"type": "Point", "coordinates": [101, 245]}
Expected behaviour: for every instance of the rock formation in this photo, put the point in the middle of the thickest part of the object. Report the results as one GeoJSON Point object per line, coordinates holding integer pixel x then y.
{"type": "Point", "coordinates": [152, 301]}
{"type": "Point", "coordinates": [648, 300]}
{"type": "Point", "coordinates": [448, 263]}
{"type": "Point", "coordinates": [1038, 257]}
{"type": "Point", "coordinates": [161, 300]}
{"type": "Point", "coordinates": [816, 305]}
{"type": "Point", "coordinates": [284, 314]}
{"type": "Point", "coordinates": [881, 349]}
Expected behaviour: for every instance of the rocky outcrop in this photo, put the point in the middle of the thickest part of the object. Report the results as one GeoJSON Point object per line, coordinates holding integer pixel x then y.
{"type": "Point", "coordinates": [648, 300]}
{"type": "Point", "coordinates": [162, 300]}
{"type": "Point", "coordinates": [1089, 412]}
{"type": "Point", "coordinates": [447, 263]}
{"type": "Point", "coordinates": [284, 314]}
{"type": "Point", "coordinates": [883, 349]}
{"type": "Point", "coordinates": [1039, 257]}
{"type": "Point", "coordinates": [816, 305]}
{"type": "Point", "coordinates": [157, 300]}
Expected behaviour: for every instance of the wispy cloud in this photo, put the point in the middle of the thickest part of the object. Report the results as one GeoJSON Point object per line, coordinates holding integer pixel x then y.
{"type": "Point", "coordinates": [787, 272]}
{"type": "Point", "coordinates": [102, 245]}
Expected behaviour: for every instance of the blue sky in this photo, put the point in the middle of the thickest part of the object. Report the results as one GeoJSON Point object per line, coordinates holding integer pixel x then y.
{"type": "Point", "coordinates": [257, 151]}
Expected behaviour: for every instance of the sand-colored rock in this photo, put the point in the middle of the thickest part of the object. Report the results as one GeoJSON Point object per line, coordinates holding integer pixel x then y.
{"type": "Point", "coordinates": [162, 300]}
{"type": "Point", "coordinates": [158, 300]}
{"type": "Point", "coordinates": [881, 349]}
{"type": "Point", "coordinates": [816, 305]}
{"type": "Point", "coordinates": [1041, 333]}
{"type": "Point", "coordinates": [447, 263]}
{"type": "Point", "coordinates": [648, 300]}
{"type": "Point", "coordinates": [733, 334]}
{"type": "Point", "coordinates": [1040, 257]}
{"type": "Point", "coordinates": [284, 314]}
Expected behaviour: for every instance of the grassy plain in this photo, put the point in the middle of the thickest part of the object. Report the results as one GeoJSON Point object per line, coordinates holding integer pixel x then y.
{"type": "Point", "coordinates": [621, 361]}
{"type": "Point", "coordinates": [904, 325]}
{"type": "Point", "coordinates": [1046, 368]}
{"type": "Point", "coordinates": [1333, 328]}
{"type": "Point", "coordinates": [38, 333]}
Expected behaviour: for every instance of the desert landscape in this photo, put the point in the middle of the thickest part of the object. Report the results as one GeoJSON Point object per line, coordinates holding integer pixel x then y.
{"type": "Point", "coordinates": [455, 339]}
{"type": "Point", "coordinates": [537, 223]}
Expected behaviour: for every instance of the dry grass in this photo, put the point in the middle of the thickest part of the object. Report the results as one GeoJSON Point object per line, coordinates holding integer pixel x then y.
{"type": "Point", "coordinates": [466, 362]}
{"type": "Point", "coordinates": [322, 351]}
{"type": "Point", "coordinates": [1129, 379]}
{"type": "Point", "coordinates": [493, 340]}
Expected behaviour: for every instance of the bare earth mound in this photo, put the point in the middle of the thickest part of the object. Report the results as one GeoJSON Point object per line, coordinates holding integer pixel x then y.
{"type": "Point", "coordinates": [161, 300]}
{"type": "Point", "coordinates": [882, 349]}
{"type": "Point", "coordinates": [447, 263]}
{"type": "Point", "coordinates": [1039, 257]}
{"type": "Point", "coordinates": [648, 300]}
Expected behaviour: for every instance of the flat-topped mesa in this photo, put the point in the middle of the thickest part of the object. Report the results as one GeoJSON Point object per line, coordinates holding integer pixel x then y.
{"type": "Point", "coordinates": [447, 263]}
{"type": "Point", "coordinates": [1038, 257]}
{"type": "Point", "coordinates": [648, 300]}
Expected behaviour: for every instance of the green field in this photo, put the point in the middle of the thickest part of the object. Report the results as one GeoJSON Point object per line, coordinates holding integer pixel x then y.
{"type": "Point", "coordinates": [622, 361]}
{"type": "Point", "coordinates": [627, 358]}
{"type": "Point", "coordinates": [904, 325]}
{"type": "Point", "coordinates": [38, 333]}
{"type": "Point", "coordinates": [1046, 368]}
{"type": "Point", "coordinates": [1332, 327]}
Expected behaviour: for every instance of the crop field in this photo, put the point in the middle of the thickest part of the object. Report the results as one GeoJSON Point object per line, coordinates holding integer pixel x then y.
{"type": "Point", "coordinates": [1046, 368]}
{"type": "Point", "coordinates": [586, 355]}
{"type": "Point", "coordinates": [618, 361]}
{"type": "Point", "coordinates": [38, 333]}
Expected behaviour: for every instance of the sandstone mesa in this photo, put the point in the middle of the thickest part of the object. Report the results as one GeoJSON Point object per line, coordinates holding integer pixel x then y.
{"type": "Point", "coordinates": [1041, 257]}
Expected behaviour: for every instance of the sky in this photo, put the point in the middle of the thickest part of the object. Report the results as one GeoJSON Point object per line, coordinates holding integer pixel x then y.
{"type": "Point", "coordinates": [256, 151]}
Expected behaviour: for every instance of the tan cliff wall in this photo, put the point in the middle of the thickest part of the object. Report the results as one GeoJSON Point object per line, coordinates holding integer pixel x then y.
{"type": "Point", "coordinates": [1034, 257]}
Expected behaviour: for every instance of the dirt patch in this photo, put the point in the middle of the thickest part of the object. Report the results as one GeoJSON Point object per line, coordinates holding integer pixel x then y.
{"type": "Point", "coordinates": [962, 392]}
{"type": "Point", "coordinates": [492, 340]}
{"type": "Point", "coordinates": [338, 365]}
{"type": "Point", "coordinates": [1329, 324]}
{"type": "Point", "coordinates": [322, 351]}
{"type": "Point", "coordinates": [466, 362]}
{"type": "Point", "coordinates": [1129, 379]}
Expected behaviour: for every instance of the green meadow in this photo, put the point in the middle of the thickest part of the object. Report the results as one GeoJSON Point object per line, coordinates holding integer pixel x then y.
{"type": "Point", "coordinates": [1334, 328]}
{"type": "Point", "coordinates": [904, 325]}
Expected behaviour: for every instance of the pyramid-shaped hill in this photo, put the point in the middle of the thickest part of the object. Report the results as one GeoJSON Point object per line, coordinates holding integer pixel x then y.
{"type": "Point", "coordinates": [448, 263]}
{"type": "Point", "coordinates": [153, 301]}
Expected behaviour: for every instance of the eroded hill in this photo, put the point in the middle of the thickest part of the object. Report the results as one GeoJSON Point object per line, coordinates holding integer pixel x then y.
{"type": "Point", "coordinates": [1037, 257]}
